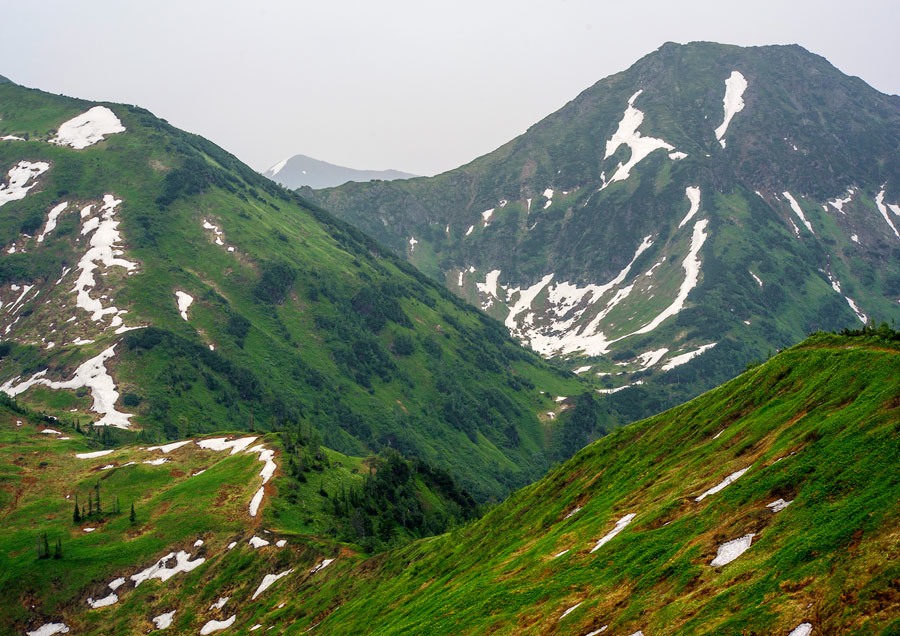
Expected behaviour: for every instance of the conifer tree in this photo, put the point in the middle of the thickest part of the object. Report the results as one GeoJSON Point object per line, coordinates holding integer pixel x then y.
{"type": "Point", "coordinates": [57, 552]}
{"type": "Point", "coordinates": [76, 516]}
{"type": "Point", "coordinates": [46, 554]}
{"type": "Point", "coordinates": [132, 517]}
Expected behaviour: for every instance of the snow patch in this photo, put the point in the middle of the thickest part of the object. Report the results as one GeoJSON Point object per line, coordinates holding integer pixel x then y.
{"type": "Point", "coordinates": [627, 134]}
{"type": "Point", "coordinates": [676, 361]}
{"type": "Point", "coordinates": [489, 286]}
{"type": "Point", "coordinates": [168, 448]}
{"type": "Point", "coordinates": [91, 374]}
{"type": "Point", "coordinates": [733, 477]}
{"type": "Point", "coordinates": [156, 462]}
{"type": "Point", "coordinates": [854, 238]}
{"type": "Point", "coordinates": [798, 210]}
{"type": "Point", "coordinates": [184, 301]}
{"type": "Point", "coordinates": [779, 504]}
{"type": "Point", "coordinates": [559, 554]}
{"type": "Point", "coordinates": [803, 629]}
{"type": "Point", "coordinates": [412, 243]}
{"type": "Point", "coordinates": [649, 358]}
{"type": "Point", "coordinates": [879, 201]}
{"type": "Point", "coordinates": [324, 564]}
{"type": "Point", "coordinates": [219, 604]}
{"type": "Point", "coordinates": [215, 626]}
{"type": "Point", "coordinates": [733, 102]}
{"type": "Point", "coordinates": [581, 370]}
{"type": "Point", "coordinates": [164, 620]}
{"type": "Point", "coordinates": [48, 629]}
{"type": "Point", "coordinates": [469, 231]}
{"type": "Point", "coordinates": [620, 525]}
{"type": "Point", "coordinates": [88, 128]}
{"type": "Point", "coordinates": [486, 216]}
{"type": "Point", "coordinates": [838, 203]}
{"type": "Point", "coordinates": [256, 542]}
{"type": "Point", "coordinates": [693, 195]}
{"type": "Point", "coordinates": [103, 602]}
{"type": "Point", "coordinates": [278, 167]}
{"type": "Point", "coordinates": [160, 570]}
{"type": "Point", "coordinates": [51, 220]}
{"type": "Point", "coordinates": [256, 501]}
{"type": "Point", "coordinates": [731, 550]}
{"type": "Point", "coordinates": [676, 156]}
{"type": "Point", "coordinates": [222, 443]}
{"type": "Point", "coordinates": [267, 582]}
{"type": "Point", "coordinates": [756, 278]}
{"type": "Point", "coordinates": [570, 610]}
{"type": "Point", "coordinates": [116, 583]}
{"type": "Point", "coordinates": [19, 175]}
{"type": "Point", "coordinates": [93, 454]}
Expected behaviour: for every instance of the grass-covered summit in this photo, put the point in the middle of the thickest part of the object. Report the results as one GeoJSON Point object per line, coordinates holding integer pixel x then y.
{"type": "Point", "coordinates": [151, 281]}
{"type": "Point", "coordinates": [761, 507]}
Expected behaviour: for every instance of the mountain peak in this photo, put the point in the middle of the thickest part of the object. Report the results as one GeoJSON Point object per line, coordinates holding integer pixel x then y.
{"type": "Point", "coordinates": [300, 170]}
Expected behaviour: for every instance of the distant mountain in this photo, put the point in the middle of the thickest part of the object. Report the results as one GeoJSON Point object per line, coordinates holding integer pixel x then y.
{"type": "Point", "coordinates": [300, 170]}
{"type": "Point", "coordinates": [672, 223]}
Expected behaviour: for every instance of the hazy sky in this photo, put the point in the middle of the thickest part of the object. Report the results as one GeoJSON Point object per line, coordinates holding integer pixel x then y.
{"type": "Point", "coordinates": [414, 85]}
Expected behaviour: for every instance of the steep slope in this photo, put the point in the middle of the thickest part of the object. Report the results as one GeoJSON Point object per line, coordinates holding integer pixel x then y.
{"type": "Point", "coordinates": [151, 279]}
{"type": "Point", "coordinates": [763, 507]}
{"type": "Point", "coordinates": [673, 222]}
{"type": "Point", "coordinates": [300, 170]}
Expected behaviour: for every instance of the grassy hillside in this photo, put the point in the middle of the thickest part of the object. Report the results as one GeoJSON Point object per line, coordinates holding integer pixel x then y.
{"type": "Point", "coordinates": [297, 320]}
{"type": "Point", "coordinates": [623, 535]}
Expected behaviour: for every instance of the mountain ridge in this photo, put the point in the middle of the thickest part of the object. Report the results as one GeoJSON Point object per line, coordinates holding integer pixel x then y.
{"type": "Point", "coordinates": [300, 170]}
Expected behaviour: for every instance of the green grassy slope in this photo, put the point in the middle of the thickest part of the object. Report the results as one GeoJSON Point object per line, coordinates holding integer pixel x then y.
{"type": "Point", "coordinates": [816, 426]}
{"type": "Point", "coordinates": [298, 320]}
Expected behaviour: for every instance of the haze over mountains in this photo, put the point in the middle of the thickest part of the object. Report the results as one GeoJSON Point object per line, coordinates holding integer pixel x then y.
{"type": "Point", "coordinates": [673, 222]}
{"type": "Point", "coordinates": [300, 170]}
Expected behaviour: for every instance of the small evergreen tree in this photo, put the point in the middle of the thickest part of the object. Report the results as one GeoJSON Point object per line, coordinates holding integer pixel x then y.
{"type": "Point", "coordinates": [132, 517]}
{"type": "Point", "coordinates": [97, 491]}
{"type": "Point", "coordinates": [76, 516]}
{"type": "Point", "coordinates": [57, 552]}
{"type": "Point", "coordinates": [45, 552]}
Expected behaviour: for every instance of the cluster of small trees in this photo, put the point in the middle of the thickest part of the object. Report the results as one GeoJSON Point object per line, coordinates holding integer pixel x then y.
{"type": "Point", "coordinates": [93, 509]}
{"type": "Point", "coordinates": [44, 548]}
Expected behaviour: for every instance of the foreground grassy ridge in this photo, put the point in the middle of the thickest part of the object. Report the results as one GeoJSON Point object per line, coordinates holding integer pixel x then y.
{"type": "Point", "coordinates": [817, 425]}
{"type": "Point", "coordinates": [311, 323]}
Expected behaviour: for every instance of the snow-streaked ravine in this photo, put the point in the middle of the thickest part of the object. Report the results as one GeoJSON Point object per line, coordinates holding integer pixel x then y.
{"type": "Point", "coordinates": [627, 134]}
{"type": "Point", "coordinates": [733, 102]}
{"type": "Point", "coordinates": [882, 208]}
{"type": "Point", "coordinates": [18, 177]}
{"type": "Point", "coordinates": [797, 210]}
{"type": "Point", "coordinates": [693, 195]}
{"type": "Point", "coordinates": [52, 216]}
{"type": "Point", "coordinates": [836, 286]}
{"type": "Point", "coordinates": [88, 128]}
{"type": "Point", "coordinates": [91, 374]}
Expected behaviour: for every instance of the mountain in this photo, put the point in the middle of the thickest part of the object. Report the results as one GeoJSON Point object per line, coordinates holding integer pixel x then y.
{"type": "Point", "coordinates": [300, 170]}
{"type": "Point", "coordinates": [671, 224]}
{"type": "Point", "coordinates": [766, 506]}
{"type": "Point", "coordinates": [153, 284]}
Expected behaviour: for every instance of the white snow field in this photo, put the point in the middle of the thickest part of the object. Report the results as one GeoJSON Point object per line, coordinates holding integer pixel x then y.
{"type": "Point", "coordinates": [620, 525]}
{"type": "Point", "coordinates": [164, 620]}
{"type": "Point", "coordinates": [160, 570]}
{"type": "Point", "coordinates": [93, 454]}
{"type": "Point", "coordinates": [222, 443]}
{"type": "Point", "coordinates": [324, 564]}
{"type": "Point", "coordinates": [733, 477]}
{"type": "Point", "coordinates": [797, 210]}
{"type": "Point", "coordinates": [168, 448]}
{"type": "Point", "coordinates": [19, 176]}
{"type": "Point", "coordinates": [91, 374]}
{"type": "Point", "coordinates": [103, 602]}
{"type": "Point", "coordinates": [683, 358]}
{"type": "Point", "coordinates": [219, 604]}
{"type": "Point", "coordinates": [267, 582]}
{"type": "Point", "coordinates": [88, 128]}
{"type": "Point", "coordinates": [48, 629]}
{"type": "Point", "coordinates": [215, 626]}
{"type": "Point", "coordinates": [779, 504]}
{"type": "Point", "coordinates": [733, 102]}
{"type": "Point", "coordinates": [627, 134]}
{"type": "Point", "coordinates": [184, 301]}
{"type": "Point", "coordinates": [257, 542]}
{"type": "Point", "coordinates": [803, 629]}
{"type": "Point", "coordinates": [879, 201]}
{"type": "Point", "coordinates": [256, 501]}
{"type": "Point", "coordinates": [731, 550]}
{"type": "Point", "coordinates": [693, 195]}
{"type": "Point", "coordinates": [51, 220]}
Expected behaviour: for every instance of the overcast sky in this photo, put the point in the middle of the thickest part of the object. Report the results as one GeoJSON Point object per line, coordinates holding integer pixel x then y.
{"type": "Point", "coordinates": [415, 85]}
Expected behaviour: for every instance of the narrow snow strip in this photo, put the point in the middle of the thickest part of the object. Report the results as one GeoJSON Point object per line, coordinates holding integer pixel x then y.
{"type": "Point", "coordinates": [733, 477]}
{"type": "Point", "coordinates": [164, 620]}
{"type": "Point", "coordinates": [91, 374]}
{"type": "Point", "coordinates": [779, 504]}
{"type": "Point", "coordinates": [597, 631]}
{"type": "Point", "coordinates": [879, 201]}
{"type": "Point", "coordinates": [51, 431]}
{"type": "Point", "coordinates": [324, 564]}
{"type": "Point", "coordinates": [215, 626]}
{"type": "Point", "coordinates": [184, 301]}
{"type": "Point", "coordinates": [803, 629]}
{"type": "Point", "coordinates": [88, 128]}
{"type": "Point", "coordinates": [573, 512]}
{"type": "Point", "coordinates": [649, 358]}
{"type": "Point", "coordinates": [693, 195]}
{"type": "Point", "coordinates": [676, 361]}
{"type": "Point", "coordinates": [619, 388]}
{"type": "Point", "coordinates": [267, 582]}
{"type": "Point", "coordinates": [103, 602]}
{"type": "Point", "coordinates": [19, 176]}
{"type": "Point", "coordinates": [219, 604]}
{"type": "Point", "coordinates": [620, 525]}
{"type": "Point", "coordinates": [156, 462]}
{"type": "Point", "coordinates": [256, 542]}
{"type": "Point", "coordinates": [733, 102]}
{"type": "Point", "coordinates": [168, 448]}
{"type": "Point", "coordinates": [278, 167]}
{"type": "Point", "coordinates": [412, 243]}
{"type": "Point", "coordinates": [93, 454]}
{"type": "Point", "coordinates": [798, 210]}
{"type": "Point", "coordinates": [756, 278]}
{"type": "Point", "coordinates": [51, 220]}
{"type": "Point", "coordinates": [570, 610]}
{"type": "Point", "coordinates": [731, 550]}
{"type": "Point", "coordinates": [256, 501]}
{"type": "Point", "coordinates": [116, 583]}
{"type": "Point", "coordinates": [222, 443]}
{"type": "Point", "coordinates": [627, 134]}
{"type": "Point", "coordinates": [559, 554]}
{"type": "Point", "coordinates": [161, 571]}
{"type": "Point", "coordinates": [48, 629]}
{"type": "Point", "coordinates": [676, 156]}
{"type": "Point", "coordinates": [469, 231]}
{"type": "Point", "coordinates": [583, 369]}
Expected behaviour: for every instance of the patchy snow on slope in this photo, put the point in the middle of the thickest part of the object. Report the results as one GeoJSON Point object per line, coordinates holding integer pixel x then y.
{"type": "Point", "coordinates": [879, 201]}
{"type": "Point", "coordinates": [156, 462]}
{"type": "Point", "coordinates": [222, 443]}
{"type": "Point", "coordinates": [116, 583]}
{"type": "Point", "coordinates": [88, 128]}
{"type": "Point", "coordinates": [168, 448]}
{"type": "Point", "coordinates": [91, 374]}
{"type": "Point", "coordinates": [256, 501]}
{"type": "Point", "coordinates": [486, 216]}
{"type": "Point", "coordinates": [620, 525]}
{"type": "Point", "coordinates": [103, 602]}
{"type": "Point", "coordinates": [836, 286]}
{"type": "Point", "coordinates": [838, 203]}
{"type": "Point", "coordinates": [693, 195]}
{"type": "Point", "coordinates": [184, 301]}
{"type": "Point", "coordinates": [257, 542]}
{"type": "Point", "coordinates": [25, 290]}
{"type": "Point", "coordinates": [733, 102]}
{"type": "Point", "coordinates": [267, 582]}
{"type": "Point", "coordinates": [215, 626]}
{"type": "Point", "coordinates": [162, 571]}
{"type": "Point", "coordinates": [219, 604]}
{"type": "Point", "coordinates": [489, 286]}
{"type": "Point", "coordinates": [570, 610]}
{"type": "Point", "coordinates": [731, 550]}
{"type": "Point", "coordinates": [684, 358]}
{"type": "Point", "coordinates": [412, 243]}
{"type": "Point", "coordinates": [797, 210]}
{"type": "Point", "coordinates": [19, 176]}
{"type": "Point", "coordinates": [48, 629]}
{"type": "Point", "coordinates": [649, 358]}
{"type": "Point", "coordinates": [469, 231]}
{"type": "Point", "coordinates": [756, 278]}
{"type": "Point", "coordinates": [676, 156]}
{"type": "Point", "coordinates": [548, 194]}
{"type": "Point", "coordinates": [51, 220]}
{"type": "Point", "coordinates": [93, 454]}
{"type": "Point", "coordinates": [11, 138]}
{"type": "Point", "coordinates": [581, 370]}
{"type": "Point", "coordinates": [779, 504]}
{"type": "Point", "coordinates": [854, 238]}
{"type": "Point", "coordinates": [803, 629]}
{"type": "Point", "coordinates": [619, 388]}
{"type": "Point", "coordinates": [524, 300]}
{"type": "Point", "coordinates": [733, 477]}
{"type": "Point", "coordinates": [51, 431]}
{"type": "Point", "coordinates": [627, 134]}
{"type": "Point", "coordinates": [103, 251]}
{"type": "Point", "coordinates": [164, 620]}
{"type": "Point", "coordinates": [324, 564]}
